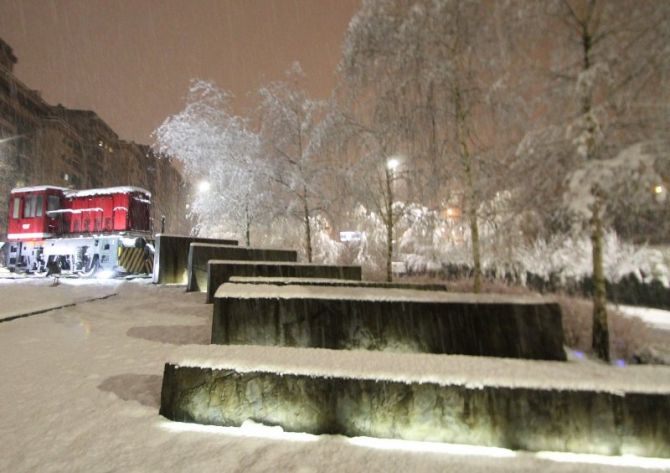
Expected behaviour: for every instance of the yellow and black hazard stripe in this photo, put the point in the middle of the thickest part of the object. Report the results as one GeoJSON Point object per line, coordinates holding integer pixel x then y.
{"type": "Point", "coordinates": [136, 260]}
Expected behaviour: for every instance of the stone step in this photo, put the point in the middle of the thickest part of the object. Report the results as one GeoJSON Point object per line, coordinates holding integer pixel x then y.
{"type": "Point", "coordinates": [171, 257]}
{"type": "Point", "coordinates": [200, 253]}
{"type": "Point", "coordinates": [575, 406]}
{"type": "Point", "coordinates": [220, 271]}
{"type": "Point", "coordinates": [388, 320]}
{"type": "Point", "coordinates": [276, 281]}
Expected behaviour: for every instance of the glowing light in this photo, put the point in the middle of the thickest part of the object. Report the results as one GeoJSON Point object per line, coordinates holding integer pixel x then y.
{"type": "Point", "coordinates": [659, 189]}
{"type": "Point", "coordinates": [622, 460]}
{"type": "Point", "coordinates": [248, 429]}
{"type": "Point", "coordinates": [392, 163]}
{"type": "Point", "coordinates": [431, 447]}
{"type": "Point", "coordinates": [203, 186]}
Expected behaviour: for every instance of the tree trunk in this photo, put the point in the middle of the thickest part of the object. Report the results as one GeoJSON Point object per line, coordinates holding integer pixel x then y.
{"type": "Point", "coordinates": [466, 160]}
{"type": "Point", "coordinates": [389, 226]}
{"type": "Point", "coordinates": [247, 227]}
{"type": "Point", "coordinates": [308, 229]}
{"type": "Point", "coordinates": [600, 339]}
{"type": "Point", "coordinates": [600, 336]}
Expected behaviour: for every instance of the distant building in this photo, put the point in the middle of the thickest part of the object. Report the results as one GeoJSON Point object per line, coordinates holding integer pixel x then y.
{"type": "Point", "coordinates": [45, 144]}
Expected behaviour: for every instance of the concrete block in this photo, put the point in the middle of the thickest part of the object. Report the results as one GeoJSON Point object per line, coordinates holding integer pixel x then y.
{"type": "Point", "coordinates": [200, 253]}
{"type": "Point", "coordinates": [396, 320]}
{"type": "Point", "coordinates": [171, 257]}
{"type": "Point", "coordinates": [220, 271]}
{"type": "Point", "coordinates": [274, 281]}
{"type": "Point", "coordinates": [516, 404]}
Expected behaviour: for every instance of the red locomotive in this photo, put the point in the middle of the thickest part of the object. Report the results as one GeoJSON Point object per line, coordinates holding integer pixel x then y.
{"type": "Point", "coordinates": [52, 229]}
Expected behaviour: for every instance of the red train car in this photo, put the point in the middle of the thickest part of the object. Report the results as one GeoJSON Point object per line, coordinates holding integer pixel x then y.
{"type": "Point", "coordinates": [80, 231]}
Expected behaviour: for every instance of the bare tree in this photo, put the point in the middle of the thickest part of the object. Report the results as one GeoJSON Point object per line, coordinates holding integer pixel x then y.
{"type": "Point", "coordinates": [291, 140]}
{"type": "Point", "coordinates": [218, 149]}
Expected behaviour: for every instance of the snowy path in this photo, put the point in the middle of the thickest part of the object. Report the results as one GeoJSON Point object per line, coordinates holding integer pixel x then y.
{"type": "Point", "coordinates": [657, 318]}
{"type": "Point", "coordinates": [80, 388]}
{"type": "Point", "coordinates": [20, 296]}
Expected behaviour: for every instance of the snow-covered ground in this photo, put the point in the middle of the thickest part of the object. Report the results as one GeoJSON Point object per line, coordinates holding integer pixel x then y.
{"type": "Point", "coordinates": [21, 295]}
{"type": "Point", "coordinates": [80, 391]}
{"type": "Point", "coordinates": [656, 318]}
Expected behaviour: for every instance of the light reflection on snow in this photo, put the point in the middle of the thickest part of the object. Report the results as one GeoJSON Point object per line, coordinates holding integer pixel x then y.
{"type": "Point", "coordinates": [252, 429]}
{"type": "Point", "coordinates": [248, 429]}
{"type": "Point", "coordinates": [621, 460]}
{"type": "Point", "coordinates": [432, 447]}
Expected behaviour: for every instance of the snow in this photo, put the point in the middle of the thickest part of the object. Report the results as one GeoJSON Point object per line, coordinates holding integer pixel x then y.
{"type": "Point", "coordinates": [36, 295]}
{"type": "Point", "coordinates": [19, 190]}
{"type": "Point", "coordinates": [321, 282]}
{"type": "Point", "coordinates": [272, 263]}
{"type": "Point", "coordinates": [445, 370]}
{"type": "Point", "coordinates": [657, 318]}
{"type": "Point", "coordinates": [106, 191]}
{"type": "Point", "coordinates": [80, 390]}
{"type": "Point", "coordinates": [251, 291]}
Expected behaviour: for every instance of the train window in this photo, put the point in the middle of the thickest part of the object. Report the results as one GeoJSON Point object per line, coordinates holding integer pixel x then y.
{"type": "Point", "coordinates": [39, 206]}
{"type": "Point", "coordinates": [53, 203]}
{"type": "Point", "coordinates": [29, 206]}
{"type": "Point", "coordinates": [17, 208]}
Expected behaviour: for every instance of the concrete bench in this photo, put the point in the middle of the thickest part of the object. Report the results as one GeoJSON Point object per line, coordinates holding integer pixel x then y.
{"type": "Point", "coordinates": [580, 407]}
{"type": "Point", "coordinates": [274, 281]}
{"type": "Point", "coordinates": [219, 272]}
{"type": "Point", "coordinates": [171, 257]}
{"type": "Point", "coordinates": [200, 253]}
{"type": "Point", "coordinates": [388, 320]}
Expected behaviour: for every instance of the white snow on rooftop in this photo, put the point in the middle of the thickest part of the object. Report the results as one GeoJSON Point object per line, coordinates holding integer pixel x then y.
{"type": "Point", "coordinates": [36, 189]}
{"type": "Point", "coordinates": [266, 291]}
{"type": "Point", "coordinates": [107, 191]}
{"type": "Point", "coordinates": [469, 371]}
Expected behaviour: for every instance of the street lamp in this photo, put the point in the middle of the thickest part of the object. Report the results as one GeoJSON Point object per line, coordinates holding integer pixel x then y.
{"type": "Point", "coordinates": [203, 186]}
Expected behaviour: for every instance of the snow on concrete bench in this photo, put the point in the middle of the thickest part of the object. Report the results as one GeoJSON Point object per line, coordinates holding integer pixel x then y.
{"type": "Point", "coordinates": [200, 253]}
{"type": "Point", "coordinates": [581, 407]}
{"type": "Point", "coordinates": [400, 320]}
{"type": "Point", "coordinates": [275, 281]}
{"type": "Point", "coordinates": [171, 256]}
{"type": "Point", "coordinates": [220, 271]}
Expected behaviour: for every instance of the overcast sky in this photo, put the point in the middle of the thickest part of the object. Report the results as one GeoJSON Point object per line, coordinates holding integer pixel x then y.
{"type": "Point", "coordinates": [131, 60]}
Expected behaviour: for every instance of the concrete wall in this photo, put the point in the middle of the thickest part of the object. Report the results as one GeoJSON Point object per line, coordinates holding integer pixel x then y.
{"type": "Point", "coordinates": [534, 419]}
{"type": "Point", "coordinates": [220, 271]}
{"type": "Point", "coordinates": [411, 321]}
{"type": "Point", "coordinates": [200, 253]}
{"type": "Point", "coordinates": [336, 283]}
{"type": "Point", "coordinates": [171, 257]}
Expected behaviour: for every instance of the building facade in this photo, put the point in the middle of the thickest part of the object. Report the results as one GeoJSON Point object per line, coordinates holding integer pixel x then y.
{"type": "Point", "coordinates": [46, 144]}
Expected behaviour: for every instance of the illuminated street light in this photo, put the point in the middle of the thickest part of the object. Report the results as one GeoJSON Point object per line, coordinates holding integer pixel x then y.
{"type": "Point", "coordinates": [659, 189]}
{"type": "Point", "coordinates": [203, 186]}
{"type": "Point", "coordinates": [393, 163]}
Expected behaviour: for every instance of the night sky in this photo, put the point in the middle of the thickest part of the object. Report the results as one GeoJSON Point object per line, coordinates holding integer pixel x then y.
{"type": "Point", "coordinates": [131, 60]}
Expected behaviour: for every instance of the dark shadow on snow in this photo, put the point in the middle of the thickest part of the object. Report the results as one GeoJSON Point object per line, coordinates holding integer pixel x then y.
{"type": "Point", "coordinates": [143, 388]}
{"type": "Point", "coordinates": [174, 334]}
